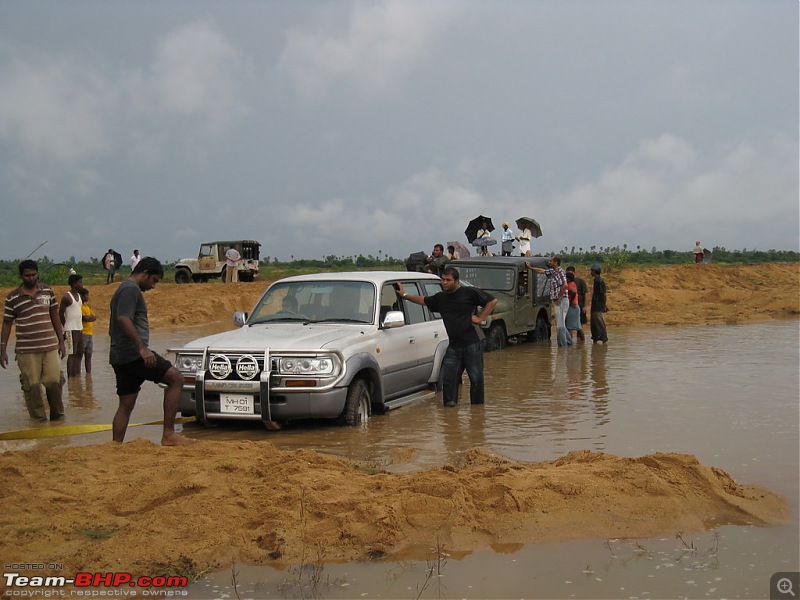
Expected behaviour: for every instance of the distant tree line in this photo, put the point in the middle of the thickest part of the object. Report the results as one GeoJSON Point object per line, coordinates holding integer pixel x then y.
{"type": "Point", "coordinates": [55, 272]}
{"type": "Point", "coordinates": [621, 256]}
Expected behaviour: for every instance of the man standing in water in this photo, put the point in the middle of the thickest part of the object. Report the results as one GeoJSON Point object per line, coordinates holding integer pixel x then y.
{"type": "Point", "coordinates": [69, 311]}
{"type": "Point", "coordinates": [40, 342]}
{"type": "Point", "coordinates": [599, 307]}
{"type": "Point", "coordinates": [132, 360]}
{"type": "Point", "coordinates": [558, 294]}
{"type": "Point", "coordinates": [457, 305]}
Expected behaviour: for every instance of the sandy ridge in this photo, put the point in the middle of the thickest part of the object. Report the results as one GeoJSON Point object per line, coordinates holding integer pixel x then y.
{"type": "Point", "coordinates": [668, 295]}
{"type": "Point", "coordinates": [140, 506]}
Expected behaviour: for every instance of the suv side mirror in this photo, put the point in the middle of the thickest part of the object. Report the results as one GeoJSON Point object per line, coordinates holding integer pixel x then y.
{"type": "Point", "coordinates": [239, 318]}
{"type": "Point", "coordinates": [394, 318]}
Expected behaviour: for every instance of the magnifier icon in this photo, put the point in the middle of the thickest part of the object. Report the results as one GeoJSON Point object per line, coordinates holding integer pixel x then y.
{"type": "Point", "coordinates": [784, 586]}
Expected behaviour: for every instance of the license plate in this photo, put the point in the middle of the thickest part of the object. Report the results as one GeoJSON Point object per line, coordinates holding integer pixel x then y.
{"type": "Point", "coordinates": [236, 404]}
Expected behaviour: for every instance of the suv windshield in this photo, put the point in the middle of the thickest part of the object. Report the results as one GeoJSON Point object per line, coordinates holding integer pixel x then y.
{"type": "Point", "coordinates": [316, 301]}
{"type": "Point", "coordinates": [488, 278]}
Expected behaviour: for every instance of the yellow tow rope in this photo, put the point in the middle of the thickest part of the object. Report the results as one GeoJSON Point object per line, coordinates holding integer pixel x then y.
{"type": "Point", "coordinates": [61, 430]}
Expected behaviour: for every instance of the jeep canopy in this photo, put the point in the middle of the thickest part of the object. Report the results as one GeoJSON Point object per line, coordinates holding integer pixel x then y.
{"type": "Point", "coordinates": [249, 249]}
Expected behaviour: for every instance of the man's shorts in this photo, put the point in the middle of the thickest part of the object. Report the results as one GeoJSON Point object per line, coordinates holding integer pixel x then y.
{"type": "Point", "coordinates": [69, 341]}
{"type": "Point", "coordinates": [130, 376]}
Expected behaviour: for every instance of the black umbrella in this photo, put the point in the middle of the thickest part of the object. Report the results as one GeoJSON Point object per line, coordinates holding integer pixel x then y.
{"type": "Point", "coordinates": [477, 223]}
{"type": "Point", "coordinates": [528, 223]}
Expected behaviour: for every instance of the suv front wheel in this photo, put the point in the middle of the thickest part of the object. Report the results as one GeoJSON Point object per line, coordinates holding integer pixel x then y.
{"type": "Point", "coordinates": [357, 405]}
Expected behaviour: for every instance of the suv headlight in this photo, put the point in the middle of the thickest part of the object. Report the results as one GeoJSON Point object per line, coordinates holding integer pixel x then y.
{"type": "Point", "coordinates": [189, 363]}
{"type": "Point", "coordinates": [306, 366]}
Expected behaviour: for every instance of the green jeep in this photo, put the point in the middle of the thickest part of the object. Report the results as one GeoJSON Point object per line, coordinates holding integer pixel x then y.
{"type": "Point", "coordinates": [523, 297]}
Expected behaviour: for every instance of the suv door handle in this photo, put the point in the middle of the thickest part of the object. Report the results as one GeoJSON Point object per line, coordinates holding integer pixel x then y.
{"type": "Point", "coordinates": [412, 340]}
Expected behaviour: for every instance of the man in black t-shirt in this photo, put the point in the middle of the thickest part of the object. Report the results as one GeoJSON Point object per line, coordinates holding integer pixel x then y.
{"type": "Point", "coordinates": [599, 307]}
{"type": "Point", "coordinates": [457, 304]}
{"type": "Point", "coordinates": [132, 359]}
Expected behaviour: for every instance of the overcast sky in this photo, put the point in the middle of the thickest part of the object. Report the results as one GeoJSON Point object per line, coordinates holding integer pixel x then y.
{"type": "Point", "coordinates": [347, 128]}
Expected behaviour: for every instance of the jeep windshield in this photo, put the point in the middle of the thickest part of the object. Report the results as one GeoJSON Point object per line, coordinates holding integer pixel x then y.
{"type": "Point", "coordinates": [500, 279]}
{"type": "Point", "coordinates": [316, 302]}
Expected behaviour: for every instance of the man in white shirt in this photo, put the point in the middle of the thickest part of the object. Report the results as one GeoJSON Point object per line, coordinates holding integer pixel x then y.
{"type": "Point", "coordinates": [525, 242]}
{"type": "Point", "coordinates": [232, 258]}
{"type": "Point", "coordinates": [135, 259]}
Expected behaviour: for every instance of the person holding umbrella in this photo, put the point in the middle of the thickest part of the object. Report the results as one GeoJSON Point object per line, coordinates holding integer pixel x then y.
{"type": "Point", "coordinates": [479, 234]}
{"type": "Point", "coordinates": [529, 229]}
{"type": "Point", "coordinates": [484, 234]}
{"type": "Point", "coordinates": [525, 242]}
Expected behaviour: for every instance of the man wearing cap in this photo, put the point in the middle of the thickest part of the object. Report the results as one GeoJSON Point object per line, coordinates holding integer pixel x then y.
{"type": "Point", "coordinates": [599, 308]}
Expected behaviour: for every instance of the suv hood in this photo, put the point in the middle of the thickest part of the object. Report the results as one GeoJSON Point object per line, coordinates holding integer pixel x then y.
{"type": "Point", "coordinates": [288, 336]}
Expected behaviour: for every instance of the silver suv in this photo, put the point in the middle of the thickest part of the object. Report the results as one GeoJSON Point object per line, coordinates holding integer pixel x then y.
{"type": "Point", "coordinates": [330, 345]}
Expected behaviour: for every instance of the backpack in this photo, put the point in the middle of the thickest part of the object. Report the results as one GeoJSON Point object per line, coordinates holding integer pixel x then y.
{"type": "Point", "coordinates": [415, 262]}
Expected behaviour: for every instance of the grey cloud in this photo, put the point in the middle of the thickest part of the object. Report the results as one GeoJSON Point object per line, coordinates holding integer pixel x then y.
{"type": "Point", "coordinates": [382, 44]}
{"type": "Point", "coordinates": [54, 107]}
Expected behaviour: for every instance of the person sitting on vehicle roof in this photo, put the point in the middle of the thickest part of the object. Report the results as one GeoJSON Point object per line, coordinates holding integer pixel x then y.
{"type": "Point", "coordinates": [437, 261]}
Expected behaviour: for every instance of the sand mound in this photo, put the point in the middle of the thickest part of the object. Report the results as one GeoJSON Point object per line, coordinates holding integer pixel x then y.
{"type": "Point", "coordinates": [166, 510]}
{"type": "Point", "coordinates": [665, 295]}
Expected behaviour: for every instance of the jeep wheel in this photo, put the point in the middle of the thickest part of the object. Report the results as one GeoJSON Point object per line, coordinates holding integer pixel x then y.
{"type": "Point", "coordinates": [356, 408]}
{"type": "Point", "coordinates": [496, 338]}
{"type": "Point", "coordinates": [183, 276]}
{"type": "Point", "coordinates": [541, 332]}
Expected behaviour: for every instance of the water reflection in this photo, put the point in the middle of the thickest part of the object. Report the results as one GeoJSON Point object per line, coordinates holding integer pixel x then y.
{"type": "Point", "coordinates": [599, 381]}
{"type": "Point", "coordinates": [80, 392]}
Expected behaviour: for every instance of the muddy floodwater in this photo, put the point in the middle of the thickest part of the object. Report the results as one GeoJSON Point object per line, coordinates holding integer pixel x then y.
{"type": "Point", "coordinates": [727, 394]}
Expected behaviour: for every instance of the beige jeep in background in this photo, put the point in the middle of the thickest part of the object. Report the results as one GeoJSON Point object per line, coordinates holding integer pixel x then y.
{"type": "Point", "coordinates": [210, 262]}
